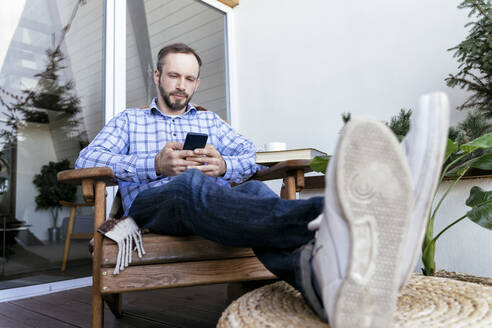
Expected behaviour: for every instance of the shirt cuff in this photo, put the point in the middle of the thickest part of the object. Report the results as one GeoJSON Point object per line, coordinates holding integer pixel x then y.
{"type": "Point", "coordinates": [146, 167]}
{"type": "Point", "coordinates": [229, 174]}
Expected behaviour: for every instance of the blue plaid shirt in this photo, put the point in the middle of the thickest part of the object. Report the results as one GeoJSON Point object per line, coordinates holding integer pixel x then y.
{"type": "Point", "coordinates": [130, 141]}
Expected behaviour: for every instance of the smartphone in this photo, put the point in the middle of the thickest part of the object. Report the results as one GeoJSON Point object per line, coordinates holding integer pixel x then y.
{"type": "Point", "coordinates": [195, 140]}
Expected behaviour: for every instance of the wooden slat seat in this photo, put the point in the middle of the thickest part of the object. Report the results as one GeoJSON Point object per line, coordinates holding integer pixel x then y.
{"type": "Point", "coordinates": [179, 262]}
{"type": "Point", "coordinates": [183, 274]}
{"type": "Point", "coordinates": [170, 249]}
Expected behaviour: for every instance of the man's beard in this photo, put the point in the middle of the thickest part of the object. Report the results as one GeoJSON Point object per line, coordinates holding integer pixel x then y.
{"type": "Point", "coordinates": [178, 104]}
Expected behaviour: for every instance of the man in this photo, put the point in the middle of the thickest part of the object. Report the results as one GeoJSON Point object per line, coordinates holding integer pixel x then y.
{"type": "Point", "coordinates": [348, 253]}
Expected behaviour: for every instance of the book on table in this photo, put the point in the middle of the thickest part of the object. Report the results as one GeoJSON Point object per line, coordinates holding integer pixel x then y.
{"type": "Point", "coordinates": [272, 157]}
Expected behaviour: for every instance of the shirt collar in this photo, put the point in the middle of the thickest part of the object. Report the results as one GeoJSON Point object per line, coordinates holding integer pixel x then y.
{"type": "Point", "coordinates": [153, 108]}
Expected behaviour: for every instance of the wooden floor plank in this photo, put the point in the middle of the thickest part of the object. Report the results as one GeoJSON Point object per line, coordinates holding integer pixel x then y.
{"type": "Point", "coordinates": [199, 306]}
{"type": "Point", "coordinates": [79, 314]}
{"type": "Point", "coordinates": [6, 322]}
{"type": "Point", "coordinates": [75, 315]}
{"type": "Point", "coordinates": [205, 303]}
{"type": "Point", "coordinates": [31, 317]}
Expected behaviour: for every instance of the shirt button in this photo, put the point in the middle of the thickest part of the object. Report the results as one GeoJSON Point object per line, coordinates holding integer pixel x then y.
{"type": "Point", "coordinates": [174, 134]}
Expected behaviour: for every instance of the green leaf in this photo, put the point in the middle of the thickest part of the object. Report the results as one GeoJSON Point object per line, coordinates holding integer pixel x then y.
{"type": "Point", "coordinates": [320, 163]}
{"type": "Point", "coordinates": [451, 148]}
{"type": "Point", "coordinates": [481, 203]}
{"type": "Point", "coordinates": [483, 162]}
{"type": "Point", "coordinates": [478, 196]}
{"type": "Point", "coordinates": [484, 141]}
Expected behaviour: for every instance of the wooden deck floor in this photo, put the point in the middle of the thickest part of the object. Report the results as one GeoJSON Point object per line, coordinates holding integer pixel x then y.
{"type": "Point", "coordinates": [179, 307]}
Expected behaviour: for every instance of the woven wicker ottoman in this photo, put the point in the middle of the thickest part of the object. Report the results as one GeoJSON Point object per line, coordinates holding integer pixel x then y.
{"type": "Point", "coordinates": [424, 302]}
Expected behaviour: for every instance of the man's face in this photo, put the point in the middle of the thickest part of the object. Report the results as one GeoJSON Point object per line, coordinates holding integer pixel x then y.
{"type": "Point", "coordinates": [178, 81]}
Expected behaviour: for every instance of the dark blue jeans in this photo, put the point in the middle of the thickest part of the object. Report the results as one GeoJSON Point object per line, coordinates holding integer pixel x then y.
{"type": "Point", "coordinates": [248, 215]}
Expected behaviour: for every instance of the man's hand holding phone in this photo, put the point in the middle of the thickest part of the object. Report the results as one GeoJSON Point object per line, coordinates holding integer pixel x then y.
{"type": "Point", "coordinates": [209, 161]}
{"type": "Point", "coordinates": [206, 158]}
{"type": "Point", "coordinates": [175, 157]}
{"type": "Point", "coordinates": [172, 160]}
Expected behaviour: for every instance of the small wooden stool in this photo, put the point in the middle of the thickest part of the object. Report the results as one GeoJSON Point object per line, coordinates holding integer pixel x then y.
{"type": "Point", "coordinates": [425, 302]}
{"type": "Point", "coordinates": [70, 235]}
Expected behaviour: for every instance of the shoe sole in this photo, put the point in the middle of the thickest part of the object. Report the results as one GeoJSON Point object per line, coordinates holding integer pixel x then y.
{"type": "Point", "coordinates": [375, 192]}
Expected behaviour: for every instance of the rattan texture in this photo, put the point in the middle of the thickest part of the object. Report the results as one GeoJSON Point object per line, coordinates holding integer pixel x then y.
{"type": "Point", "coordinates": [424, 302]}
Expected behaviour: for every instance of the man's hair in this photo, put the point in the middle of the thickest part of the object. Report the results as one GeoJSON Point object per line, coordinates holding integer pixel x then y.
{"type": "Point", "coordinates": [176, 48]}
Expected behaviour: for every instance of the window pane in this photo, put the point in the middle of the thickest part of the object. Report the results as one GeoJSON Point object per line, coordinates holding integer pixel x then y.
{"type": "Point", "coordinates": [51, 106]}
{"type": "Point", "coordinates": [153, 24]}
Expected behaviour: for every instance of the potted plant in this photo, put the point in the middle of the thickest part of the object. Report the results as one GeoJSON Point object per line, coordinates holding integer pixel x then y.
{"type": "Point", "coordinates": [51, 192]}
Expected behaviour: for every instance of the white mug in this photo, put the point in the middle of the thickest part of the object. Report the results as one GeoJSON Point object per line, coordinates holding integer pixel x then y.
{"type": "Point", "coordinates": [273, 146]}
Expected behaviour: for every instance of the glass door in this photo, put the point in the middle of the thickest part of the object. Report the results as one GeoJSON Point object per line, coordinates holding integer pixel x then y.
{"type": "Point", "coordinates": [51, 106]}
{"type": "Point", "coordinates": [153, 24]}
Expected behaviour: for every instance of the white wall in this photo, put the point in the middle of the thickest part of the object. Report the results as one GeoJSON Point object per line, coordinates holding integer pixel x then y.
{"type": "Point", "coordinates": [303, 63]}
{"type": "Point", "coordinates": [465, 247]}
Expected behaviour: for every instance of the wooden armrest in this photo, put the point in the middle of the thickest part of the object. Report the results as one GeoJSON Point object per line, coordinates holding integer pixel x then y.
{"type": "Point", "coordinates": [282, 169]}
{"type": "Point", "coordinates": [70, 204]}
{"type": "Point", "coordinates": [87, 178]}
{"type": "Point", "coordinates": [94, 173]}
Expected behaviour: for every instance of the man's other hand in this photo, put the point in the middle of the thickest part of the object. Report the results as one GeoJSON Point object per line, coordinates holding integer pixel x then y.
{"type": "Point", "coordinates": [171, 160]}
{"type": "Point", "coordinates": [209, 161]}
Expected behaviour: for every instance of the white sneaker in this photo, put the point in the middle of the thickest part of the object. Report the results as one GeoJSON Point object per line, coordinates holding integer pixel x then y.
{"type": "Point", "coordinates": [424, 147]}
{"type": "Point", "coordinates": [368, 206]}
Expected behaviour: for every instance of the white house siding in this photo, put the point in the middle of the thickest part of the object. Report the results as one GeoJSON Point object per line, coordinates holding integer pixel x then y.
{"type": "Point", "coordinates": [195, 24]}
{"type": "Point", "coordinates": [84, 44]}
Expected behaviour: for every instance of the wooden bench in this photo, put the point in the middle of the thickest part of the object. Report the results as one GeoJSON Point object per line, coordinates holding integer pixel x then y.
{"type": "Point", "coordinates": [170, 261]}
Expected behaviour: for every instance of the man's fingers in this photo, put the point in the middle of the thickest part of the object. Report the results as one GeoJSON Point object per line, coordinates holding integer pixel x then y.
{"type": "Point", "coordinates": [206, 161]}
{"type": "Point", "coordinates": [201, 160]}
{"type": "Point", "coordinates": [209, 150]}
{"type": "Point", "coordinates": [190, 167]}
{"type": "Point", "coordinates": [174, 145]}
{"type": "Point", "coordinates": [200, 152]}
{"type": "Point", "coordinates": [186, 153]}
{"type": "Point", "coordinates": [181, 153]}
{"type": "Point", "coordinates": [185, 163]}
{"type": "Point", "coordinates": [205, 168]}
{"type": "Point", "coordinates": [198, 159]}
